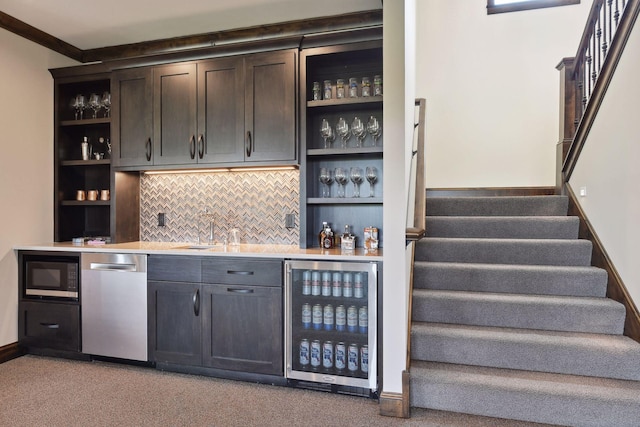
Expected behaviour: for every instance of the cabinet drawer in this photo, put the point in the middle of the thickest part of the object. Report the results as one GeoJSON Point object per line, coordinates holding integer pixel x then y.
{"type": "Point", "coordinates": [249, 271]}
{"type": "Point", "coordinates": [50, 325]}
{"type": "Point", "coordinates": [174, 268]}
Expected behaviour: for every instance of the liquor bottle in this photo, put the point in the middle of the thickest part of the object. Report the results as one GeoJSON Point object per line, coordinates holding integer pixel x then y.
{"type": "Point", "coordinates": [327, 242]}
{"type": "Point", "coordinates": [322, 234]}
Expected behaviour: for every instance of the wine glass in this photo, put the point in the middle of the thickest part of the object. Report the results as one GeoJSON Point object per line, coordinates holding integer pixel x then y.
{"type": "Point", "coordinates": [106, 103]}
{"type": "Point", "coordinates": [358, 130]}
{"type": "Point", "coordinates": [341, 178]}
{"type": "Point", "coordinates": [356, 178]}
{"type": "Point", "coordinates": [79, 103]}
{"type": "Point", "coordinates": [327, 133]}
{"type": "Point", "coordinates": [326, 179]}
{"type": "Point", "coordinates": [374, 129]}
{"type": "Point", "coordinates": [372, 177]}
{"type": "Point", "coordinates": [342, 128]}
{"type": "Point", "coordinates": [95, 104]}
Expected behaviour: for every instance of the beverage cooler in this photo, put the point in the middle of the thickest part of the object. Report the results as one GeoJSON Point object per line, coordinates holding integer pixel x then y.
{"type": "Point", "coordinates": [331, 326]}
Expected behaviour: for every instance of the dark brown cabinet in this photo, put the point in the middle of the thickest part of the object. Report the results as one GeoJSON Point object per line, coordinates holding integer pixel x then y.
{"type": "Point", "coordinates": [225, 314]}
{"type": "Point", "coordinates": [174, 322]}
{"type": "Point", "coordinates": [132, 118]}
{"type": "Point", "coordinates": [49, 325]}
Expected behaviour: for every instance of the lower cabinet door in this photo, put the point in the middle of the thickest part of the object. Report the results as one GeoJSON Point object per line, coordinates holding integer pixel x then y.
{"type": "Point", "coordinates": [50, 325]}
{"type": "Point", "coordinates": [175, 314]}
{"type": "Point", "coordinates": [243, 328]}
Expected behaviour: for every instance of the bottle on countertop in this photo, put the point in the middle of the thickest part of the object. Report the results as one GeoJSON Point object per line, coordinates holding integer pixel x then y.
{"type": "Point", "coordinates": [322, 234]}
{"type": "Point", "coordinates": [348, 240]}
{"type": "Point", "coordinates": [327, 242]}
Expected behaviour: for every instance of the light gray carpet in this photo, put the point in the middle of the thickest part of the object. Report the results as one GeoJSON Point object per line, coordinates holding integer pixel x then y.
{"type": "Point", "coordinates": [40, 391]}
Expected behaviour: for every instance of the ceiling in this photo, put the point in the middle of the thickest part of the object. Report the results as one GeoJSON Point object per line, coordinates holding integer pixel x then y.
{"type": "Point", "coordinates": [96, 24]}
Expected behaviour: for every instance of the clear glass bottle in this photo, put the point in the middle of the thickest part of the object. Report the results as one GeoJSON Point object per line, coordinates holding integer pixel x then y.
{"type": "Point", "coordinates": [317, 92]}
{"type": "Point", "coordinates": [353, 87]}
{"type": "Point", "coordinates": [366, 86]}
{"type": "Point", "coordinates": [326, 89]}
{"type": "Point", "coordinates": [377, 85]}
{"type": "Point", "coordinates": [340, 89]}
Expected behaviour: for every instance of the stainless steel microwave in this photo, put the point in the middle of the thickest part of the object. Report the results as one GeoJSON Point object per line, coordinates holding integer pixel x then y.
{"type": "Point", "coordinates": [51, 276]}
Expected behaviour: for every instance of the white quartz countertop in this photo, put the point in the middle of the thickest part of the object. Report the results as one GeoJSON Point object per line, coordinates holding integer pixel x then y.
{"type": "Point", "coordinates": [242, 250]}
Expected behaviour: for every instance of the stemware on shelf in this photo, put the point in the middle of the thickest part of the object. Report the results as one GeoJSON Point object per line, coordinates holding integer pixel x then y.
{"type": "Point", "coordinates": [326, 179]}
{"type": "Point", "coordinates": [327, 133]}
{"type": "Point", "coordinates": [372, 177]}
{"type": "Point", "coordinates": [356, 178]}
{"type": "Point", "coordinates": [95, 103]}
{"type": "Point", "coordinates": [106, 103]}
{"type": "Point", "coordinates": [358, 130]}
{"type": "Point", "coordinates": [79, 104]}
{"type": "Point", "coordinates": [341, 178]}
{"type": "Point", "coordinates": [374, 129]}
{"type": "Point", "coordinates": [342, 128]}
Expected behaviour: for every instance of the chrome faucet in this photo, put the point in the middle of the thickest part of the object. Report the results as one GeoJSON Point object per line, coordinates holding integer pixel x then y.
{"type": "Point", "coordinates": [209, 220]}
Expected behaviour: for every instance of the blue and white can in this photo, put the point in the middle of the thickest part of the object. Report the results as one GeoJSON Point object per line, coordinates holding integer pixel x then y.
{"type": "Point", "coordinates": [363, 319]}
{"type": "Point", "coordinates": [304, 352]}
{"type": "Point", "coordinates": [341, 356]}
{"type": "Point", "coordinates": [352, 319]}
{"type": "Point", "coordinates": [327, 354]}
{"type": "Point", "coordinates": [328, 317]}
{"type": "Point", "coordinates": [306, 315]}
{"type": "Point", "coordinates": [341, 318]}
{"type": "Point", "coordinates": [316, 353]}
{"type": "Point", "coordinates": [316, 317]}
{"type": "Point", "coordinates": [352, 357]}
{"type": "Point", "coordinates": [364, 358]}
{"type": "Point", "coordinates": [347, 285]}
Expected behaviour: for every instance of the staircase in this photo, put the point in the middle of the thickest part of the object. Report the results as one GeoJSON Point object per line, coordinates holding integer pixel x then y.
{"type": "Point", "coordinates": [511, 321]}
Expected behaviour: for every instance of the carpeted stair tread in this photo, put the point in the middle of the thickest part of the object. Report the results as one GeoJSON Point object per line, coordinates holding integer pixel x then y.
{"type": "Point", "coordinates": [498, 206]}
{"type": "Point", "coordinates": [510, 278]}
{"type": "Point", "coordinates": [526, 395]}
{"type": "Point", "coordinates": [556, 313]}
{"type": "Point", "coordinates": [599, 355]}
{"type": "Point", "coordinates": [505, 251]}
{"type": "Point", "coordinates": [511, 227]}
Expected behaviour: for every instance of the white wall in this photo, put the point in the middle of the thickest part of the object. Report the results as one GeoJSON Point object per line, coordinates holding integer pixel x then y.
{"type": "Point", "coordinates": [492, 90]}
{"type": "Point", "coordinates": [608, 168]}
{"type": "Point", "coordinates": [26, 161]}
{"type": "Point", "coordinates": [394, 294]}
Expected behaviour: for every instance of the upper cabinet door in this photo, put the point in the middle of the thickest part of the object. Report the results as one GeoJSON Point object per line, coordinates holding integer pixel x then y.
{"type": "Point", "coordinates": [270, 111]}
{"type": "Point", "coordinates": [220, 111]}
{"type": "Point", "coordinates": [174, 114]}
{"type": "Point", "coordinates": [132, 117]}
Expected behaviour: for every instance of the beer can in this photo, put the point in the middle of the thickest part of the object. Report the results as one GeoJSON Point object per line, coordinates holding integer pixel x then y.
{"type": "Point", "coordinates": [337, 284]}
{"type": "Point", "coordinates": [328, 317]}
{"type": "Point", "coordinates": [358, 288]}
{"type": "Point", "coordinates": [306, 282]}
{"type": "Point", "coordinates": [315, 283]}
{"type": "Point", "coordinates": [317, 317]}
{"type": "Point", "coordinates": [364, 358]}
{"type": "Point", "coordinates": [326, 284]}
{"type": "Point", "coordinates": [363, 319]}
{"type": "Point", "coordinates": [316, 353]}
{"type": "Point", "coordinates": [304, 352]}
{"type": "Point", "coordinates": [306, 315]}
{"type": "Point", "coordinates": [341, 356]}
{"type": "Point", "coordinates": [327, 354]}
{"type": "Point", "coordinates": [347, 285]}
{"type": "Point", "coordinates": [352, 357]}
{"type": "Point", "coordinates": [352, 319]}
{"type": "Point", "coordinates": [341, 318]}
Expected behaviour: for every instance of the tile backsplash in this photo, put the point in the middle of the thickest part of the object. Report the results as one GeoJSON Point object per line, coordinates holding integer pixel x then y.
{"type": "Point", "coordinates": [254, 202]}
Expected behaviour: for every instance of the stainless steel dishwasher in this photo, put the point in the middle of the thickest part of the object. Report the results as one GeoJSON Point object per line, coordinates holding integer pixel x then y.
{"type": "Point", "coordinates": [113, 295]}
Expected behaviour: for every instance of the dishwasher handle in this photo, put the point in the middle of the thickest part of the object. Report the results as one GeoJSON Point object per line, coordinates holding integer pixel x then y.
{"type": "Point", "coordinates": [103, 266]}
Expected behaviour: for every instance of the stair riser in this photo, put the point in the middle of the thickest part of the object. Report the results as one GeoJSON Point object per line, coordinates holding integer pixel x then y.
{"type": "Point", "coordinates": [500, 251]}
{"type": "Point", "coordinates": [556, 356]}
{"type": "Point", "coordinates": [510, 279]}
{"type": "Point", "coordinates": [504, 228]}
{"type": "Point", "coordinates": [534, 405]}
{"type": "Point", "coordinates": [550, 316]}
{"type": "Point", "coordinates": [498, 206]}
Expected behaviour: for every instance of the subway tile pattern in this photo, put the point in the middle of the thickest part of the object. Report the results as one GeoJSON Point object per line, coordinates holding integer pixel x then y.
{"type": "Point", "coordinates": [254, 202]}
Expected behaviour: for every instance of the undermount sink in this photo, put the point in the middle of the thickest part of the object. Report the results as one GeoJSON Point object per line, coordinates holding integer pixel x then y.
{"type": "Point", "coordinates": [199, 247]}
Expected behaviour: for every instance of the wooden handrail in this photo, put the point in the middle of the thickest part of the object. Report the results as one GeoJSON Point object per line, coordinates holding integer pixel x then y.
{"type": "Point", "coordinates": [417, 230]}
{"type": "Point", "coordinates": [586, 77]}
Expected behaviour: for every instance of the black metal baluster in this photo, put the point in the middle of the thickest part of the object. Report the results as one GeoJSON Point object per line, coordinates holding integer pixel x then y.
{"type": "Point", "coordinates": [616, 15]}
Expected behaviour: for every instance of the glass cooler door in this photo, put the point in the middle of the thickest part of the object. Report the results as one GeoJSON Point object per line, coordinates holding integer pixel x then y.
{"type": "Point", "coordinates": [330, 325]}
